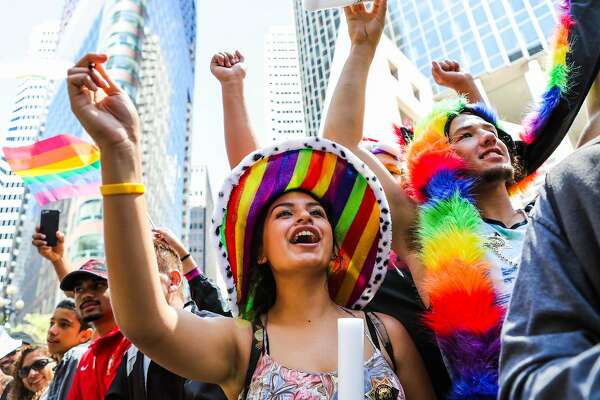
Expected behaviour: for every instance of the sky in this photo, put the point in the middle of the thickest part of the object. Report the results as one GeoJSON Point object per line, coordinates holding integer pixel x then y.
{"type": "Point", "coordinates": [230, 25]}
{"type": "Point", "coordinates": [221, 25]}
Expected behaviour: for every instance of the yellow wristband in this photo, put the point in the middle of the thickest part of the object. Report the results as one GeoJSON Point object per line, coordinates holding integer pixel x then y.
{"type": "Point", "coordinates": [122, 188]}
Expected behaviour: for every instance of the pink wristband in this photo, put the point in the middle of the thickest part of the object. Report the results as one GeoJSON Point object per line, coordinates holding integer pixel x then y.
{"type": "Point", "coordinates": [193, 274]}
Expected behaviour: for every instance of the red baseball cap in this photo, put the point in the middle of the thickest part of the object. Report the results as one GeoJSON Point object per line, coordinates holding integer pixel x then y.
{"type": "Point", "coordinates": [90, 269]}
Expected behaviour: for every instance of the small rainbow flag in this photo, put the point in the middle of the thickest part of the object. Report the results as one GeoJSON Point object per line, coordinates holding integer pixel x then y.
{"type": "Point", "coordinates": [57, 168]}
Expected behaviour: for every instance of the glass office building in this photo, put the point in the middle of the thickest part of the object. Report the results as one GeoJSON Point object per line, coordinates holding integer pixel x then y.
{"type": "Point", "coordinates": [316, 35]}
{"type": "Point", "coordinates": [480, 35]}
{"type": "Point", "coordinates": [151, 47]}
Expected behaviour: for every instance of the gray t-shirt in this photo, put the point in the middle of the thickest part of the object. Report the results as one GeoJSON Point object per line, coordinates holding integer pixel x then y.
{"type": "Point", "coordinates": [551, 336]}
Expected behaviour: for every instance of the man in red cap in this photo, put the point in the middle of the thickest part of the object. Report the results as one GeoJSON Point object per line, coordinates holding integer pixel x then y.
{"type": "Point", "coordinates": [100, 362]}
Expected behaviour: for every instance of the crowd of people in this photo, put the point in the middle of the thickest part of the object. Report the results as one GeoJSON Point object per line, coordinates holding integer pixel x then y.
{"type": "Point", "coordinates": [464, 294]}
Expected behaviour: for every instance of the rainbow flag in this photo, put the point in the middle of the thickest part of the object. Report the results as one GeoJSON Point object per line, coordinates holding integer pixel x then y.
{"type": "Point", "coordinates": [57, 168]}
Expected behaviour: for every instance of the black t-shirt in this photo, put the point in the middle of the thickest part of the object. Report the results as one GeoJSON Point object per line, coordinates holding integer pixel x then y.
{"type": "Point", "coordinates": [158, 385]}
{"type": "Point", "coordinates": [134, 382]}
{"type": "Point", "coordinates": [6, 390]}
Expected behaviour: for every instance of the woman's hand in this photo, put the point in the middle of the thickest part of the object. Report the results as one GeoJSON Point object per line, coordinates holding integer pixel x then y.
{"type": "Point", "coordinates": [227, 67]}
{"type": "Point", "coordinates": [103, 108]}
{"type": "Point", "coordinates": [172, 240]}
{"type": "Point", "coordinates": [364, 27]}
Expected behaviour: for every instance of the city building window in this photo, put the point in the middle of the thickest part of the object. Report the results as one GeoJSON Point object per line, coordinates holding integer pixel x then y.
{"type": "Point", "coordinates": [90, 210]}
{"type": "Point", "coordinates": [89, 246]}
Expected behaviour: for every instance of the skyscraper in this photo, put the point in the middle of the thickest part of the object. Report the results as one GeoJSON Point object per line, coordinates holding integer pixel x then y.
{"type": "Point", "coordinates": [26, 120]}
{"type": "Point", "coordinates": [151, 54]}
{"type": "Point", "coordinates": [201, 211]}
{"type": "Point", "coordinates": [480, 35]}
{"type": "Point", "coordinates": [396, 94]}
{"type": "Point", "coordinates": [283, 92]}
{"type": "Point", "coordinates": [316, 34]}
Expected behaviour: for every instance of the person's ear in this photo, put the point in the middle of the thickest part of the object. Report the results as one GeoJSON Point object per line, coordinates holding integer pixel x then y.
{"type": "Point", "coordinates": [85, 335]}
{"type": "Point", "coordinates": [262, 258]}
{"type": "Point", "coordinates": [175, 280]}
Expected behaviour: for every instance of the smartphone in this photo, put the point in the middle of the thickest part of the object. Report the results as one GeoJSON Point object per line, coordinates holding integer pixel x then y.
{"type": "Point", "coordinates": [49, 225]}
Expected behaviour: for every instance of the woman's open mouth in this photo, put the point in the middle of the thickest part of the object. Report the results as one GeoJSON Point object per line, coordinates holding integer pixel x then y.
{"type": "Point", "coordinates": [305, 235]}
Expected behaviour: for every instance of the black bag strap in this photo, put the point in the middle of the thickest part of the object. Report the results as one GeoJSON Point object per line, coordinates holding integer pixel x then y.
{"type": "Point", "coordinates": [375, 323]}
{"type": "Point", "coordinates": [372, 331]}
{"type": "Point", "coordinates": [255, 352]}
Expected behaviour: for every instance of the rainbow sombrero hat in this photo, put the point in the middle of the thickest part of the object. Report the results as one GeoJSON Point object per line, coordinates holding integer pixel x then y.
{"type": "Point", "coordinates": [344, 184]}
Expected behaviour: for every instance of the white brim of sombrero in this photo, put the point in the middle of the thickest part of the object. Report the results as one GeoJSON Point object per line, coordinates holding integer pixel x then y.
{"type": "Point", "coordinates": [318, 144]}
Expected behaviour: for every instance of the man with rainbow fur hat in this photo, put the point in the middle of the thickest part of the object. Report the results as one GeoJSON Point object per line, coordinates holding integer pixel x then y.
{"type": "Point", "coordinates": [458, 231]}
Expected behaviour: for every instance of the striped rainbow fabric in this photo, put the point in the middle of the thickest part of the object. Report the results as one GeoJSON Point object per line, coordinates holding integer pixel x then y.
{"type": "Point", "coordinates": [56, 168]}
{"type": "Point", "coordinates": [356, 210]}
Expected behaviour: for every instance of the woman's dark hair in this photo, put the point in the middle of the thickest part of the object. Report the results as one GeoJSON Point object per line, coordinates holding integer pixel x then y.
{"type": "Point", "coordinates": [68, 304]}
{"type": "Point", "coordinates": [18, 391]}
{"type": "Point", "coordinates": [262, 291]}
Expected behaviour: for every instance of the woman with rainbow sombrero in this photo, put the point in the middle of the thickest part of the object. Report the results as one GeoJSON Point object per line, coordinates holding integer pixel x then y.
{"type": "Point", "coordinates": [303, 231]}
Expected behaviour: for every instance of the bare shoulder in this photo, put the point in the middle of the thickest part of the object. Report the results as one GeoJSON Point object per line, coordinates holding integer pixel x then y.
{"type": "Point", "coordinates": [394, 328]}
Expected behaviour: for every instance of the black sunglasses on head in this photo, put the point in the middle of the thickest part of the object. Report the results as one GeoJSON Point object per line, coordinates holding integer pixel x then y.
{"type": "Point", "coordinates": [37, 365]}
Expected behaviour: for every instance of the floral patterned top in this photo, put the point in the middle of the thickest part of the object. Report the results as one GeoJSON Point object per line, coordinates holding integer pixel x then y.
{"type": "Point", "coordinates": [272, 381]}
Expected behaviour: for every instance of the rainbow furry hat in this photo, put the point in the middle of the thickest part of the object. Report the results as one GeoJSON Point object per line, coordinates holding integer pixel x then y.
{"type": "Point", "coordinates": [334, 175]}
{"type": "Point", "coordinates": [394, 152]}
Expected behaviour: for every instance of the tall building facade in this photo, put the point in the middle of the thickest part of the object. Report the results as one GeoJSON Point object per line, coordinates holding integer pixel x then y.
{"type": "Point", "coordinates": [151, 45]}
{"type": "Point", "coordinates": [201, 211]}
{"type": "Point", "coordinates": [316, 34]}
{"type": "Point", "coordinates": [283, 94]}
{"type": "Point", "coordinates": [481, 35]}
{"type": "Point", "coordinates": [26, 121]}
{"type": "Point", "coordinates": [396, 94]}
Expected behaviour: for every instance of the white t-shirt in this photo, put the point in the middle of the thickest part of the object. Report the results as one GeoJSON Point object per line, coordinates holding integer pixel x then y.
{"type": "Point", "coordinates": [504, 246]}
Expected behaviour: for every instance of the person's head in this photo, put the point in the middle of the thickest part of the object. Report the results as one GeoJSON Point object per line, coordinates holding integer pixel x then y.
{"type": "Point", "coordinates": [7, 363]}
{"type": "Point", "coordinates": [170, 270]}
{"type": "Point", "coordinates": [9, 351]}
{"type": "Point", "coordinates": [67, 329]}
{"type": "Point", "coordinates": [458, 137]}
{"type": "Point", "coordinates": [89, 285]}
{"type": "Point", "coordinates": [307, 210]}
{"type": "Point", "coordinates": [293, 236]}
{"type": "Point", "coordinates": [388, 154]}
{"type": "Point", "coordinates": [296, 234]}
{"type": "Point", "coordinates": [476, 140]}
{"type": "Point", "coordinates": [33, 372]}
{"type": "Point", "coordinates": [392, 154]}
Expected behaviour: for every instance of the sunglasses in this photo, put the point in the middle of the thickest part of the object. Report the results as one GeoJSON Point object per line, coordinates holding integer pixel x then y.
{"type": "Point", "coordinates": [37, 365]}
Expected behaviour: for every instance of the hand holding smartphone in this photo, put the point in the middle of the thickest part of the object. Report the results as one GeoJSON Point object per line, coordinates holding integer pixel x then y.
{"type": "Point", "coordinates": [49, 226]}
